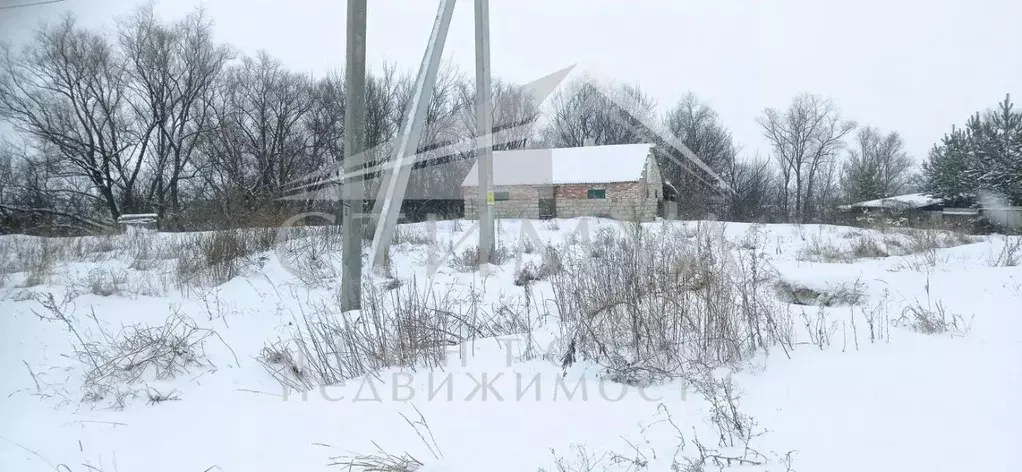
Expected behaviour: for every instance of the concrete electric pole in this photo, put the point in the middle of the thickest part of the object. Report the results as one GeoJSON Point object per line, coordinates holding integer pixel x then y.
{"type": "Point", "coordinates": [354, 144]}
{"type": "Point", "coordinates": [392, 193]}
{"type": "Point", "coordinates": [484, 129]}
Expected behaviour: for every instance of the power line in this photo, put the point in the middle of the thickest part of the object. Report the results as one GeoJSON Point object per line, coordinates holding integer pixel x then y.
{"type": "Point", "coordinates": [44, 2]}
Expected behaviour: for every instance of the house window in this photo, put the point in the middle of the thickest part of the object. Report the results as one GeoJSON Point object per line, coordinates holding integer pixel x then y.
{"type": "Point", "coordinates": [501, 196]}
{"type": "Point", "coordinates": [596, 194]}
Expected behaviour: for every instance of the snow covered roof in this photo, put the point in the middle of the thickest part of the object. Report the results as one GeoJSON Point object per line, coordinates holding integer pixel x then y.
{"type": "Point", "coordinates": [961, 211]}
{"type": "Point", "coordinates": [137, 218]}
{"type": "Point", "coordinates": [900, 202]}
{"type": "Point", "coordinates": [579, 165]}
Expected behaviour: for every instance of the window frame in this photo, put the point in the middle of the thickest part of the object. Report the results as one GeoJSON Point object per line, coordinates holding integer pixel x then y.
{"type": "Point", "coordinates": [602, 193]}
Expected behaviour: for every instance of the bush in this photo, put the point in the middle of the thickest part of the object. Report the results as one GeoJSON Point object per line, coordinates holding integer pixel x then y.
{"type": "Point", "coordinates": [527, 274]}
{"type": "Point", "coordinates": [530, 272]}
{"type": "Point", "coordinates": [106, 282]}
{"type": "Point", "coordinates": [469, 260]}
{"type": "Point", "coordinates": [868, 247]}
{"type": "Point", "coordinates": [132, 355]}
{"type": "Point", "coordinates": [39, 262]}
{"type": "Point", "coordinates": [217, 257]}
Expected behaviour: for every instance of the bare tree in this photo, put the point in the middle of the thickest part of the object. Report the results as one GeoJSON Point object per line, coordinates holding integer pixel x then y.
{"type": "Point", "coordinates": [387, 94]}
{"type": "Point", "coordinates": [698, 127]}
{"type": "Point", "coordinates": [36, 197]}
{"type": "Point", "coordinates": [574, 122]}
{"type": "Point", "coordinates": [7, 177]}
{"type": "Point", "coordinates": [67, 91]}
{"type": "Point", "coordinates": [754, 185]}
{"type": "Point", "coordinates": [877, 167]}
{"type": "Point", "coordinates": [443, 126]}
{"type": "Point", "coordinates": [171, 70]}
{"type": "Point", "coordinates": [585, 114]}
{"type": "Point", "coordinates": [804, 138]}
{"type": "Point", "coordinates": [826, 191]}
{"type": "Point", "coordinates": [8, 190]}
{"type": "Point", "coordinates": [515, 114]}
{"type": "Point", "coordinates": [325, 120]}
{"type": "Point", "coordinates": [259, 144]}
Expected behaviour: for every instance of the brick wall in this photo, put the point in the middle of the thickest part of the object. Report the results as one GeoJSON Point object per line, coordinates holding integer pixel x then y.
{"type": "Point", "coordinates": [624, 201]}
{"type": "Point", "coordinates": [523, 202]}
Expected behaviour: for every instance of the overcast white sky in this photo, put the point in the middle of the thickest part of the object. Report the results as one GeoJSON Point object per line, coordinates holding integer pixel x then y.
{"type": "Point", "coordinates": [907, 65]}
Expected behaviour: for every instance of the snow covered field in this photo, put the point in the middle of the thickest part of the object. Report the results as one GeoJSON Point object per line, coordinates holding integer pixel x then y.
{"type": "Point", "coordinates": [680, 346]}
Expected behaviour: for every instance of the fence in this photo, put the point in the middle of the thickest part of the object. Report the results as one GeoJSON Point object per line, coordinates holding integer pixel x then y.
{"type": "Point", "coordinates": [1005, 217]}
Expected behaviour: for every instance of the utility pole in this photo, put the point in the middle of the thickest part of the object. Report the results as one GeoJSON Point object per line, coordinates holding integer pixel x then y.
{"type": "Point", "coordinates": [354, 144]}
{"type": "Point", "coordinates": [392, 193]}
{"type": "Point", "coordinates": [484, 130]}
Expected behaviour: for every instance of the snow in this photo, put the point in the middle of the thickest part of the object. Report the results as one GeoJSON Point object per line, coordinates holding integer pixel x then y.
{"type": "Point", "coordinates": [579, 165]}
{"type": "Point", "coordinates": [913, 200]}
{"type": "Point", "coordinates": [961, 211]}
{"type": "Point", "coordinates": [909, 402]}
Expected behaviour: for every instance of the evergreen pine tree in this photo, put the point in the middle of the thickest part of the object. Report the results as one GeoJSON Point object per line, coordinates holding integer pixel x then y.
{"type": "Point", "coordinates": [998, 154]}
{"type": "Point", "coordinates": [948, 170]}
{"type": "Point", "coordinates": [985, 156]}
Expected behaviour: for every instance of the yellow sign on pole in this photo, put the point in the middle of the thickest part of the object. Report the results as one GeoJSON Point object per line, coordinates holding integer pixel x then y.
{"type": "Point", "coordinates": [489, 198]}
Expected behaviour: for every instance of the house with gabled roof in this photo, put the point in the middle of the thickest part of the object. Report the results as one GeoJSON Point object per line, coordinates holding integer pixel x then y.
{"type": "Point", "coordinates": [615, 181]}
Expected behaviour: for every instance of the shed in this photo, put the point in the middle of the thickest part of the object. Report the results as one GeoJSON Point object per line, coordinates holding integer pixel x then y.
{"type": "Point", "coordinates": [616, 181]}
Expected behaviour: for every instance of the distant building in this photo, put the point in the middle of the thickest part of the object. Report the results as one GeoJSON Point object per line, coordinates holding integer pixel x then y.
{"type": "Point", "coordinates": [920, 206]}
{"type": "Point", "coordinates": [617, 181]}
{"type": "Point", "coordinates": [913, 202]}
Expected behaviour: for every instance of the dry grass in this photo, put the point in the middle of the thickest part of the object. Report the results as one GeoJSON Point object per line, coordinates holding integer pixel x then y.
{"type": "Point", "coordinates": [198, 258]}
{"type": "Point", "coordinates": [868, 247]}
{"type": "Point", "coordinates": [470, 260]}
{"type": "Point", "coordinates": [733, 431]}
{"type": "Point", "coordinates": [650, 306]}
{"type": "Point", "coordinates": [933, 318]}
{"type": "Point", "coordinates": [1009, 254]}
{"type": "Point", "coordinates": [114, 362]}
{"type": "Point", "coordinates": [924, 245]}
{"type": "Point", "coordinates": [817, 249]}
{"type": "Point", "coordinates": [383, 461]}
{"type": "Point", "coordinates": [531, 272]}
{"type": "Point", "coordinates": [210, 259]}
{"type": "Point", "coordinates": [38, 263]}
{"type": "Point", "coordinates": [403, 235]}
{"type": "Point", "coordinates": [8, 259]}
{"type": "Point", "coordinates": [842, 294]}
{"type": "Point", "coordinates": [106, 282]}
{"type": "Point", "coordinates": [403, 327]}
{"type": "Point", "coordinates": [310, 254]}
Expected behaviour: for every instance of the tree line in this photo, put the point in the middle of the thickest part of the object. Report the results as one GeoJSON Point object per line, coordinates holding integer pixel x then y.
{"type": "Point", "coordinates": [156, 116]}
